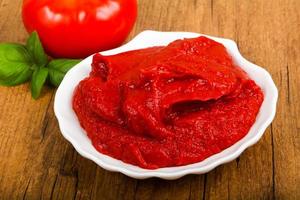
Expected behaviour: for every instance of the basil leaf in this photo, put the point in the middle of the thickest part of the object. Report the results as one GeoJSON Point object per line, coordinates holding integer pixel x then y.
{"type": "Point", "coordinates": [38, 79]}
{"type": "Point", "coordinates": [58, 68]}
{"type": "Point", "coordinates": [36, 49]}
{"type": "Point", "coordinates": [15, 64]}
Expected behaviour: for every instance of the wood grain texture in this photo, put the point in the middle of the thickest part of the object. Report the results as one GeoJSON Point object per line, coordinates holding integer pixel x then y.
{"type": "Point", "coordinates": [37, 163]}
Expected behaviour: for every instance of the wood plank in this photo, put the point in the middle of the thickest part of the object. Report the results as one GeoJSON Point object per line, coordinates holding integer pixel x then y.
{"type": "Point", "coordinates": [286, 128]}
{"type": "Point", "coordinates": [21, 118]}
{"type": "Point", "coordinates": [251, 176]}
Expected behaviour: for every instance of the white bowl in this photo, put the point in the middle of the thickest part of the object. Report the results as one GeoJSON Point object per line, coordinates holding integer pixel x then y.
{"type": "Point", "coordinates": [72, 131]}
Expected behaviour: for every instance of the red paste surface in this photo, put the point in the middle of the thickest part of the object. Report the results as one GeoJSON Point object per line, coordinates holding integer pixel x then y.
{"type": "Point", "coordinates": [167, 106]}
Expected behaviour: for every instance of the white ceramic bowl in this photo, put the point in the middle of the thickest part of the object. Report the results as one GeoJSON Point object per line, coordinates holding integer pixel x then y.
{"type": "Point", "coordinates": [71, 130]}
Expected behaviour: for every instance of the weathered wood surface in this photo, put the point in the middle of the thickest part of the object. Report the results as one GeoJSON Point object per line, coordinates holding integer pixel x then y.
{"type": "Point", "coordinates": [36, 162]}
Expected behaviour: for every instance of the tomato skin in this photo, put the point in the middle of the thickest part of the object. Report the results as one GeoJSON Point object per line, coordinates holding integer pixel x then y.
{"type": "Point", "coordinates": [79, 28]}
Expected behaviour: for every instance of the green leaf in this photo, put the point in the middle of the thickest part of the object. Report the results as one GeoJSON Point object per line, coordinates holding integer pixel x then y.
{"type": "Point", "coordinates": [58, 68]}
{"type": "Point", "coordinates": [38, 80]}
{"type": "Point", "coordinates": [36, 49]}
{"type": "Point", "coordinates": [15, 64]}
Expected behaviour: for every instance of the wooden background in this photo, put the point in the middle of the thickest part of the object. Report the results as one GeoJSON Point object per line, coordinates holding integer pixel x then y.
{"type": "Point", "coordinates": [37, 162]}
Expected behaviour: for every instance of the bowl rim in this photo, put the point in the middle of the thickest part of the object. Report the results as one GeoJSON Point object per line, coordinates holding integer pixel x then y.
{"type": "Point", "coordinates": [178, 171]}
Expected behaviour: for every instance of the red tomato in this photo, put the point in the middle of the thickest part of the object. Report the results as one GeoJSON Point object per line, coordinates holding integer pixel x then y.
{"type": "Point", "coordinates": [78, 28]}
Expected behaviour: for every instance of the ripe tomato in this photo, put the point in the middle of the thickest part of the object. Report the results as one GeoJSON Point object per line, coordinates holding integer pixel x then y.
{"type": "Point", "coordinates": [78, 28]}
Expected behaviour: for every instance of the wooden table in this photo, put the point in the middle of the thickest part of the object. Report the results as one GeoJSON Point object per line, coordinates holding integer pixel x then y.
{"type": "Point", "coordinates": [36, 161]}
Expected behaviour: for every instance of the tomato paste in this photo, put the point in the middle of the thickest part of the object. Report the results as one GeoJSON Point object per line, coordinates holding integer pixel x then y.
{"type": "Point", "coordinates": [168, 105]}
